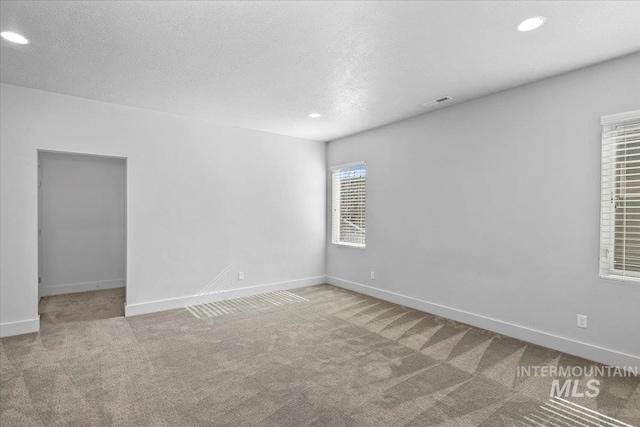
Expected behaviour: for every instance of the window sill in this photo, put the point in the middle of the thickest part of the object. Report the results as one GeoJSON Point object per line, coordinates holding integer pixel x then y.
{"type": "Point", "coordinates": [349, 245]}
{"type": "Point", "coordinates": [620, 278]}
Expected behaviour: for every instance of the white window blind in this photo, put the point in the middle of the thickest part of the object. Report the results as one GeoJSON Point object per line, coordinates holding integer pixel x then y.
{"type": "Point", "coordinates": [348, 195]}
{"type": "Point", "coordinates": [620, 197]}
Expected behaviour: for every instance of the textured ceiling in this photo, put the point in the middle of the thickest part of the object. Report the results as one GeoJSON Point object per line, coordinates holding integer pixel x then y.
{"type": "Point", "coordinates": [266, 65]}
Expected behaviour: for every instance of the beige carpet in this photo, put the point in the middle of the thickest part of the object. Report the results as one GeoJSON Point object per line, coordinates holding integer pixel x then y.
{"type": "Point", "coordinates": [327, 358]}
{"type": "Point", "coordinates": [80, 306]}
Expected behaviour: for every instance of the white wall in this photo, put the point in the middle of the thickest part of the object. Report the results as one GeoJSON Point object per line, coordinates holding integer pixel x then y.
{"type": "Point", "coordinates": [83, 209]}
{"type": "Point", "coordinates": [488, 212]}
{"type": "Point", "coordinates": [204, 202]}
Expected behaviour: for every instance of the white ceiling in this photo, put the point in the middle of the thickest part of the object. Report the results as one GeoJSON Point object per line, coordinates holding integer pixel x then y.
{"type": "Point", "coordinates": [266, 65]}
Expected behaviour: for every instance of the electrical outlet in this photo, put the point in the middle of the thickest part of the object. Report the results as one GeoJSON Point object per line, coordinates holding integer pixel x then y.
{"type": "Point", "coordinates": [241, 275]}
{"type": "Point", "coordinates": [373, 275]}
{"type": "Point", "coordinates": [582, 321]}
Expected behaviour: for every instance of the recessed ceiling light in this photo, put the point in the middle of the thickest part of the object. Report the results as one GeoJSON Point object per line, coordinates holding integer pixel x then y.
{"type": "Point", "coordinates": [531, 23]}
{"type": "Point", "coordinates": [14, 37]}
{"type": "Point", "coordinates": [314, 115]}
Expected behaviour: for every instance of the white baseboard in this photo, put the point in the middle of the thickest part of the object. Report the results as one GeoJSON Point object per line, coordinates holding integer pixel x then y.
{"type": "Point", "coordinates": [18, 328]}
{"type": "Point", "coordinates": [173, 303]}
{"type": "Point", "coordinates": [81, 287]}
{"type": "Point", "coordinates": [545, 339]}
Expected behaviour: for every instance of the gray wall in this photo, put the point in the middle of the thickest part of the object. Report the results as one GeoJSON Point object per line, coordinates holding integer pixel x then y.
{"type": "Point", "coordinates": [83, 218]}
{"type": "Point", "coordinates": [488, 212]}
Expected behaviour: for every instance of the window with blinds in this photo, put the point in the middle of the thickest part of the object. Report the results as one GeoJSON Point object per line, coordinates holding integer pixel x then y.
{"type": "Point", "coordinates": [620, 210]}
{"type": "Point", "coordinates": [348, 194]}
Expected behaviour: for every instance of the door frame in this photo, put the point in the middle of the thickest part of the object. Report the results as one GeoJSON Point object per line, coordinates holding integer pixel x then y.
{"type": "Point", "coordinates": [39, 215]}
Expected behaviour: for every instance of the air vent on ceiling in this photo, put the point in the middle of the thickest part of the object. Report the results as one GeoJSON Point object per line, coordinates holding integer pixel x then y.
{"type": "Point", "coordinates": [437, 101]}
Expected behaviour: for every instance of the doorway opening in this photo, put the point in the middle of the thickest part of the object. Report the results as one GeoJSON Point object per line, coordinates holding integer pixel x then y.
{"type": "Point", "coordinates": [82, 235]}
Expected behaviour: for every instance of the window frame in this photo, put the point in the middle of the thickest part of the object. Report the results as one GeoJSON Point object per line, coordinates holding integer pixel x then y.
{"type": "Point", "coordinates": [335, 196]}
{"type": "Point", "coordinates": [607, 269]}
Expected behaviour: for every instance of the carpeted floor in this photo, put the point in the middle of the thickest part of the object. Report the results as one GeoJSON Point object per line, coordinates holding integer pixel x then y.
{"type": "Point", "coordinates": [80, 306]}
{"type": "Point", "coordinates": [318, 356]}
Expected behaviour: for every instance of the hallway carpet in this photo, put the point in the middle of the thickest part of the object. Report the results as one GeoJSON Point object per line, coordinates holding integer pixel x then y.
{"type": "Point", "coordinates": [330, 357]}
{"type": "Point", "coordinates": [80, 306]}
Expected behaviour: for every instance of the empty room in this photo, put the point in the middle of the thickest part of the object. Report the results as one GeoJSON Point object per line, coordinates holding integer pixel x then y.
{"type": "Point", "coordinates": [320, 213]}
